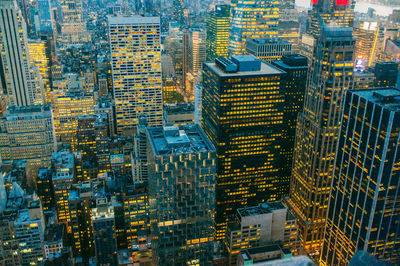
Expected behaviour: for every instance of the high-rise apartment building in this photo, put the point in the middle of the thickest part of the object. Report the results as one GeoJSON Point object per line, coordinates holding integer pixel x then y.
{"type": "Point", "coordinates": [243, 115]}
{"type": "Point", "coordinates": [177, 13]}
{"type": "Point", "coordinates": [18, 79]}
{"type": "Point", "coordinates": [136, 70]}
{"type": "Point", "coordinates": [268, 49]}
{"type": "Point", "coordinates": [363, 212]}
{"type": "Point", "coordinates": [26, 133]}
{"type": "Point", "coordinates": [252, 19]}
{"type": "Point", "coordinates": [181, 165]}
{"type": "Point", "coordinates": [330, 75]}
{"type": "Point", "coordinates": [369, 43]}
{"type": "Point", "coordinates": [218, 32]}
{"type": "Point", "coordinates": [293, 88]}
{"type": "Point", "coordinates": [339, 12]}
{"type": "Point", "coordinates": [196, 56]}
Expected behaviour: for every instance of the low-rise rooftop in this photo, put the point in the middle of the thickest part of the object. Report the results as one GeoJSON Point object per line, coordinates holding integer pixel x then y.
{"type": "Point", "coordinates": [178, 139]}
{"type": "Point", "coordinates": [388, 98]}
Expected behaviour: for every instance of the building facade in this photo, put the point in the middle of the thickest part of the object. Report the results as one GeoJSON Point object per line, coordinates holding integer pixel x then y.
{"type": "Point", "coordinates": [363, 211]}
{"type": "Point", "coordinates": [17, 77]}
{"type": "Point", "coordinates": [243, 115]}
{"type": "Point", "coordinates": [218, 32]}
{"type": "Point", "coordinates": [181, 165]}
{"type": "Point", "coordinates": [251, 19]}
{"type": "Point", "coordinates": [293, 88]}
{"type": "Point", "coordinates": [27, 134]}
{"type": "Point", "coordinates": [136, 70]}
{"type": "Point", "coordinates": [330, 76]}
{"type": "Point", "coordinates": [268, 49]}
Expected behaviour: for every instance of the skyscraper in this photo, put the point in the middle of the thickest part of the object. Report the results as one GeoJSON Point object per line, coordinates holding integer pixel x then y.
{"type": "Point", "coordinates": [293, 88]}
{"type": "Point", "coordinates": [330, 75]}
{"type": "Point", "coordinates": [252, 19]}
{"type": "Point", "coordinates": [369, 43]}
{"type": "Point", "coordinates": [17, 78]}
{"type": "Point", "coordinates": [136, 70]}
{"type": "Point", "coordinates": [181, 163]}
{"type": "Point", "coordinates": [363, 212]}
{"type": "Point", "coordinates": [218, 32]}
{"type": "Point", "coordinates": [341, 12]}
{"type": "Point", "coordinates": [242, 116]}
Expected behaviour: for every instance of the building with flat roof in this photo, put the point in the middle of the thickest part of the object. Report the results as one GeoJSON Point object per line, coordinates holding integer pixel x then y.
{"type": "Point", "coordinates": [260, 225]}
{"type": "Point", "coordinates": [181, 166]}
{"type": "Point", "coordinates": [268, 49]}
{"type": "Point", "coordinates": [27, 133]}
{"type": "Point", "coordinates": [179, 114]}
{"type": "Point", "coordinates": [137, 82]}
{"type": "Point", "coordinates": [363, 211]}
{"type": "Point", "coordinates": [243, 117]}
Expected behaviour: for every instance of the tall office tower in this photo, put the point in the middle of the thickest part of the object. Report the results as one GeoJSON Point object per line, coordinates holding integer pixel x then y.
{"type": "Point", "coordinates": [340, 12]}
{"type": "Point", "coordinates": [73, 29]}
{"type": "Point", "coordinates": [268, 49]}
{"type": "Point", "coordinates": [330, 76]}
{"type": "Point", "coordinates": [66, 110]}
{"type": "Point", "coordinates": [136, 70]}
{"type": "Point", "coordinates": [63, 166]}
{"type": "Point", "coordinates": [293, 87]}
{"type": "Point", "coordinates": [363, 212]}
{"type": "Point", "coordinates": [197, 55]}
{"type": "Point", "coordinates": [258, 226]}
{"type": "Point", "coordinates": [44, 188]}
{"type": "Point", "coordinates": [181, 164]}
{"type": "Point", "coordinates": [104, 238]}
{"type": "Point", "coordinates": [218, 32]}
{"type": "Point", "coordinates": [40, 56]}
{"type": "Point", "coordinates": [29, 231]}
{"type": "Point", "coordinates": [369, 43]}
{"type": "Point", "coordinates": [386, 74]}
{"type": "Point", "coordinates": [170, 94]}
{"type": "Point", "coordinates": [26, 133]}
{"type": "Point", "coordinates": [79, 204]}
{"type": "Point", "coordinates": [17, 78]}
{"type": "Point", "coordinates": [252, 19]}
{"type": "Point", "coordinates": [45, 17]}
{"type": "Point", "coordinates": [10, 254]}
{"type": "Point", "coordinates": [243, 116]}
{"type": "Point", "coordinates": [185, 55]}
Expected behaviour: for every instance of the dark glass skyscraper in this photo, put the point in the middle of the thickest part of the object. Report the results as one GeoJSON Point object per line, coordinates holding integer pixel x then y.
{"type": "Point", "coordinates": [293, 88]}
{"type": "Point", "coordinates": [330, 75]}
{"type": "Point", "coordinates": [364, 212]}
{"type": "Point", "coordinates": [386, 74]}
{"type": "Point", "coordinates": [243, 116]}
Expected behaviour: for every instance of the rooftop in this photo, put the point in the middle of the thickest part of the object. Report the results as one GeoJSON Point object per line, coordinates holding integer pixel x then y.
{"type": "Point", "coordinates": [178, 140]}
{"type": "Point", "coordinates": [263, 69]}
{"type": "Point", "coordinates": [262, 208]}
{"type": "Point", "coordinates": [388, 98]}
{"type": "Point", "coordinates": [260, 41]}
{"type": "Point", "coordinates": [17, 113]}
{"type": "Point", "coordinates": [133, 20]}
{"type": "Point", "coordinates": [178, 108]}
